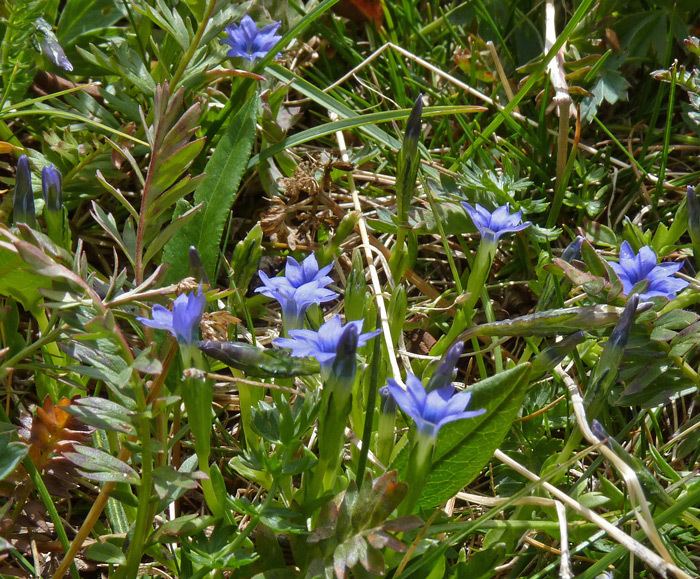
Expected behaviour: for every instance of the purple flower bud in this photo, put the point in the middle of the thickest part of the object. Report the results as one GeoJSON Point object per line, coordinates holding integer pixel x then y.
{"type": "Point", "coordinates": [51, 188]}
{"type": "Point", "coordinates": [23, 209]}
{"type": "Point", "coordinates": [196, 266]}
{"type": "Point", "coordinates": [573, 250]}
{"type": "Point", "coordinates": [50, 46]}
{"type": "Point", "coordinates": [444, 373]}
{"type": "Point", "coordinates": [247, 41]}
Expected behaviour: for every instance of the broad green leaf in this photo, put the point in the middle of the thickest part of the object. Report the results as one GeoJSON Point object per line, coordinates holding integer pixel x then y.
{"type": "Point", "coordinates": [101, 466]}
{"type": "Point", "coordinates": [102, 413]}
{"type": "Point", "coordinates": [18, 282]}
{"type": "Point", "coordinates": [11, 453]}
{"type": "Point", "coordinates": [83, 16]}
{"type": "Point", "coordinates": [217, 191]}
{"type": "Point", "coordinates": [465, 447]}
{"type": "Point", "coordinates": [105, 553]}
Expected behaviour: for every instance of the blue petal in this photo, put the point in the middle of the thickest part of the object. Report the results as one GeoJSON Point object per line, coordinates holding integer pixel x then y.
{"type": "Point", "coordinates": [626, 252]}
{"type": "Point", "coordinates": [294, 272]}
{"type": "Point", "coordinates": [404, 400]}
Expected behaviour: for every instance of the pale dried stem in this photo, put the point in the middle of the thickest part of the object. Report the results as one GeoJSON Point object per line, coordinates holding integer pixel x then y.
{"type": "Point", "coordinates": [633, 546]}
{"type": "Point", "coordinates": [641, 511]}
{"type": "Point", "coordinates": [557, 77]}
{"type": "Point", "coordinates": [501, 73]}
{"type": "Point", "coordinates": [374, 276]}
{"type": "Point", "coordinates": [565, 563]}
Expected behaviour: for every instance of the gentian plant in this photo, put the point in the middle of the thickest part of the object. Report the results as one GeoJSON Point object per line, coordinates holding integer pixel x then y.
{"type": "Point", "coordinates": [642, 273]}
{"type": "Point", "coordinates": [247, 41]}
{"type": "Point", "coordinates": [491, 225]}
{"type": "Point", "coordinates": [430, 410]}
{"type": "Point", "coordinates": [334, 345]}
{"type": "Point", "coordinates": [197, 392]}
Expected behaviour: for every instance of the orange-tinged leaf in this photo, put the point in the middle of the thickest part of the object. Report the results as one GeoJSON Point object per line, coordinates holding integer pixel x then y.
{"type": "Point", "coordinates": [361, 11]}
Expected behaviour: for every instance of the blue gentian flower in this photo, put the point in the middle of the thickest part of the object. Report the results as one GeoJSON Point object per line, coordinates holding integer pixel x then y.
{"type": "Point", "coordinates": [183, 321]}
{"type": "Point", "coordinates": [431, 410]}
{"type": "Point", "coordinates": [492, 225]}
{"type": "Point", "coordinates": [303, 284]}
{"type": "Point", "coordinates": [323, 344]}
{"type": "Point", "coordinates": [642, 267]}
{"type": "Point", "coordinates": [249, 42]}
{"type": "Point", "coordinates": [51, 187]}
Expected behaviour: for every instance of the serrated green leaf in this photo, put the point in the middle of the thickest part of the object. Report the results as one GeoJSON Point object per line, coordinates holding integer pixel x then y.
{"type": "Point", "coordinates": [218, 191]}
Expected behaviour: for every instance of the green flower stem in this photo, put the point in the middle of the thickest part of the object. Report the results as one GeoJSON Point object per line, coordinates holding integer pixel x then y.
{"type": "Point", "coordinates": [385, 435]}
{"type": "Point", "coordinates": [419, 464]}
{"type": "Point", "coordinates": [369, 410]}
{"type": "Point", "coordinates": [481, 267]}
{"type": "Point", "coordinates": [142, 525]}
{"type": "Point", "coordinates": [198, 395]}
{"type": "Point", "coordinates": [335, 407]}
{"type": "Point", "coordinates": [479, 274]}
{"type": "Point", "coordinates": [194, 45]}
{"type": "Point", "coordinates": [248, 396]}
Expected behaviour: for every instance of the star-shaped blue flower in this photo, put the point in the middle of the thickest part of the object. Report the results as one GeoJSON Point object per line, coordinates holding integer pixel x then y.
{"type": "Point", "coordinates": [247, 41]}
{"type": "Point", "coordinates": [635, 268]}
{"type": "Point", "coordinates": [323, 344]}
{"type": "Point", "coordinates": [431, 410]}
{"type": "Point", "coordinates": [303, 284]}
{"type": "Point", "coordinates": [183, 321]}
{"type": "Point", "coordinates": [492, 225]}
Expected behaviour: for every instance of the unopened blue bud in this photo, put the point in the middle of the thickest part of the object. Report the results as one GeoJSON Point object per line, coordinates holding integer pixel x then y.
{"type": "Point", "coordinates": [573, 250]}
{"type": "Point", "coordinates": [50, 46]}
{"type": "Point", "coordinates": [196, 266]}
{"type": "Point", "coordinates": [23, 211]}
{"type": "Point", "coordinates": [345, 363]}
{"type": "Point", "coordinates": [443, 374]}
{"type": "Point", "coordinates": [51, 188]}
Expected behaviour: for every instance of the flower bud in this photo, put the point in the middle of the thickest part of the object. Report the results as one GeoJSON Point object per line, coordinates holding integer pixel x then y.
{"type": "Point", "coordinates": [23, 211]}
{"type": "Point", "coordinates": [345, 363]}
{"type": "Point", "coordinates": [51, 188]}
{"type": "Point", "coordinates": [196, 267]}
{"type": "Point", "coordinates": [444, 373]}
{"type": "Point", "coordinates": [573, 250]}
{"type": "Point", "coordinates": [50, 46]}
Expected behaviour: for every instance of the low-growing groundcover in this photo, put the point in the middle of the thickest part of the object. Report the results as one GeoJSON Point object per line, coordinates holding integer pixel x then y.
{"type": "Point", "coordinates": [349, 288]}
